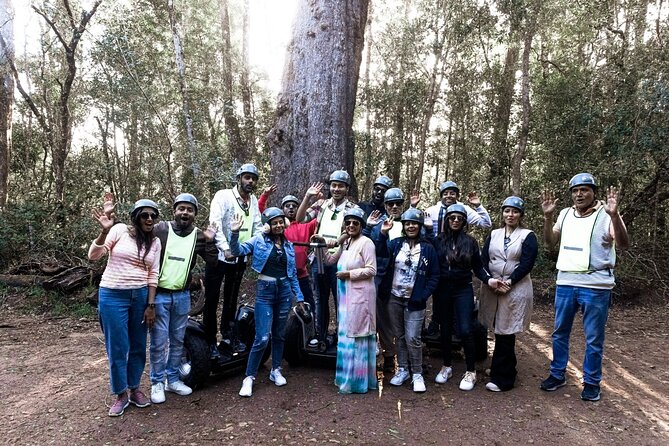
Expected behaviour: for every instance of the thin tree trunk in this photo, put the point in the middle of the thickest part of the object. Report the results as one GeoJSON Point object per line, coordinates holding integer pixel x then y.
{"type": "Point", "coordinates": [249, 138]}
{"type": "Point", "coordinates": [237, 148]}
{"type": "Point", "coordinates": [183, 89]}
{"type": "Point", "coordinates": [519, 155]}
{"type": "Point", "coordinates": [313, 132]}
{"type": "Point", "coordinates": [6, 95]}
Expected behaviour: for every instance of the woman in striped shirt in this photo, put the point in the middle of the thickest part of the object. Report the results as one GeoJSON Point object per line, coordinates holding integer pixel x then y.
{"type": "Point", "coordinates": [126, 297]}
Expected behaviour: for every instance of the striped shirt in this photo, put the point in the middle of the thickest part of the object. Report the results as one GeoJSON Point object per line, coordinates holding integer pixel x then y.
{"type": "Point", "coordinates": [125, 268]}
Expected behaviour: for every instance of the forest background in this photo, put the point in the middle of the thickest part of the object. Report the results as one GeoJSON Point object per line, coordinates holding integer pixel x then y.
{"type": "Point", "coordinates": [150, 98]}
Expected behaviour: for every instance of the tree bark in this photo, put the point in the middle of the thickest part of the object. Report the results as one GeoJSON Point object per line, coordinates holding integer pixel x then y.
{"type": "Point", "coordinates": [249, 137]}
{"type": "Point", "coordinates": [6, 95]}
{"type": "Point", "coordinates": [519, 155]}
{"type": "Point", "coordinates": [183, 89]}
{"type": "Point", "coordinates": [313, 132]}
{"type": "Point", "coordinates": [237, 148]}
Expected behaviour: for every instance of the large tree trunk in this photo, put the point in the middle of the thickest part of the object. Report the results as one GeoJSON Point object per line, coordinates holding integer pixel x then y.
{"type": "Point", "coordinates": [313, 133]}
{"type": "Point", "coordinates": [183, 89]}
{"type": "Point", "coordinates": [6, 95]}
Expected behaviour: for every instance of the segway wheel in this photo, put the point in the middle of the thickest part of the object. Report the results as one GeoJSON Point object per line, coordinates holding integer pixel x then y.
{"type": "Point", "coordinates": [292, 350]}
{"type": "Point", "coordinates": [195, 365]}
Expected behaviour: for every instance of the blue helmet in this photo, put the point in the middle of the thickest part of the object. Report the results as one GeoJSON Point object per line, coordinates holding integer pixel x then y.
{"type": "Point", "coordinates": [514, 202]}
{"type": "Point", "coordinates": [248, 168]}
{"type": "Point", "coordinates": [456, 208]}
{"type": "Point", "coordinates": [448, 185]}
{"type": "Point", "coordinates": [413, 214]}
{"type": "Point", "coordinates": [393, 194]}
{"type": "Point", "coordinates": [143, 203]}
{"type": "Point", "coordinates": [384, 181]}
{"type": "Point", "coordinates": [342, 176]}
{"type": "Point", "coordinates": [271, 213]}
{"type": "Point", "coordinates": [289, 199]}
{"type": "Point", "coordinates": [355, 212]}
{"type": "Point", "coordinates": [583, 179]}
{"type": "Point", "coordinates": [185, 198]}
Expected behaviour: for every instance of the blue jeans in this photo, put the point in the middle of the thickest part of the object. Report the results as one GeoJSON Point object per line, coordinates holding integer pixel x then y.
{"type": "Point", "coordinates": [594, 304]}
{"type": "Point", "coordinates": [455, 303]}
{"type": "Point", "coordinates": [407, 326]}
{"type": "Point", "coordinates": [167, 335]}
{"type": "Point", "coordinates": [271, 312]}
{"type": "Point", "coordinates": [324, 285]}
{"type": "Point", "coordinates": [121, 316]}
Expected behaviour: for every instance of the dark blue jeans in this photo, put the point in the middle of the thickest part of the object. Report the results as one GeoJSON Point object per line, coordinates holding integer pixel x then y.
{"type": "Point", "coordinates": [121, 315]}
{"type": "Point", "coordinates": [594, 304]}
{"type": "Point", "coordinates": [307, 292]}
{"type": "Point", "coordinates": [271, 312]}
{"type": "Point", "coordinates": [324, 285]}
{"type": "Point", "coordinates": [455, 303]}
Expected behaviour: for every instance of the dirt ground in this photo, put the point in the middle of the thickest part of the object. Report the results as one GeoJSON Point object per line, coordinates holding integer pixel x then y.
{"type": "Point", "coordinates": [55, 384]}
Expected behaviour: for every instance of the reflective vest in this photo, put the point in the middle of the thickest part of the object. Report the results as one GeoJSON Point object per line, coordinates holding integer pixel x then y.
{"type": "Point", "coordinates": [178, 253]}
{"type": "Point", "coordinates": [330, 223]}
{"type": "Point", "coordinates": [576, 237]}
{"type": "Point", "coordinates": [246, 230]}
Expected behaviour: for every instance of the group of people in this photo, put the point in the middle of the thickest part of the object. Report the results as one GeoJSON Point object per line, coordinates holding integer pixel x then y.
{"type": "Point", "coordinates": [382, 262]}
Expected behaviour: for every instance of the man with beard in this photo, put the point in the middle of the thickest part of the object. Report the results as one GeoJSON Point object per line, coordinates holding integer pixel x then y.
{"type": "Point", "coordinates": [449, 192]}
{"type": "Point", "coordinates": [224, 206]}
{"type": "Point", "coordinates": [329, 213]}
{"type": "Point", "coordinates": [588, 233]}
{"type": "Point", "coordinates": [181, 242]}
{"type": "Point", "coordinates": [381, 185]}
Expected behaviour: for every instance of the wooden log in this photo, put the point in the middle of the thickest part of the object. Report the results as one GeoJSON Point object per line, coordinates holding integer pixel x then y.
{"type": "Point", "coordinates": [69, 280]}
{"type": "Point", "coordinates": [23, 280]}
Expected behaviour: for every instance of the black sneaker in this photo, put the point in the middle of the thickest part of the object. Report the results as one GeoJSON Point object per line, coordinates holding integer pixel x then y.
{"type": "Point", "coordinates": [590, 392]}
{"type": "Point", "coordinates": [214, 354]}
{"type": "Point", "coordinates": [238, 346]}
{"type": "Point", "coordinates": [552, 383]}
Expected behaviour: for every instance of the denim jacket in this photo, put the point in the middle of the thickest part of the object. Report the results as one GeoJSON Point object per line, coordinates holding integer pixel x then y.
{"type": "Point", "coordinates": [260, 246]}
{"type": "Point", "coordinates": [427, 275]}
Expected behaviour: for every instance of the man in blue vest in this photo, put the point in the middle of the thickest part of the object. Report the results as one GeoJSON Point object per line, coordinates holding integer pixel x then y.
{"type": "Point", "coordinates": [588, 233]}
{"type": "Point", "coordinates": [181, 242]}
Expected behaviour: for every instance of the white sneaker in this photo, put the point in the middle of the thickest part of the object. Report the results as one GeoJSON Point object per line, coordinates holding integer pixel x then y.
{"type": "Point", "coordinates": [443, 375]}
{"type": "Point", "coordinates": [158, 393]}
{"type": "Point", "coordinates": [468, 381]}
{"type": "Point", "coordinates": [247, 386]}
{"type": "Point", "coordinates": [418, 383]}
{"type": "Point", "coordinates": [399, 378]}
{"type": "Point", "coordinates": [277, 378]}
{"type": "Point", "coordinates": [493, 387]}
{"type": "Point", "coordinates": [313, 342]}
{"type": "Point", "coordinates": [179, 388]}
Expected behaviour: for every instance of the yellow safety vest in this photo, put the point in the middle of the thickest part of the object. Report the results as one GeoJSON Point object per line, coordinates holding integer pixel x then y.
{"type": "Point", "coordinates": [176, 260]}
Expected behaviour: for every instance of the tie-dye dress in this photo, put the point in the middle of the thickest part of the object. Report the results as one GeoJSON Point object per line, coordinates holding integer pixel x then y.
{"type": "Point", "coordinates": [356, 347]}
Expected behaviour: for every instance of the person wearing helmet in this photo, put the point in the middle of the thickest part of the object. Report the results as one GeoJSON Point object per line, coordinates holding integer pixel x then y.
{"type": "Point", "coordinates": [126, 298]}
{"type": "Point", "coordinates": [410, 278]}
{"type": "Point", "coordinates": [182, 242]}
{"type": "Point", "coordinates": [587, 234]}
{"type": "Point", "coordinates": [356, 329]}
{"type": "Point", "coordinates": [274, 261]}
{"type": "Point", "coordinates": [394, 204]}
{"type": "Point", "coordinates": [301, 233]}
{"type": "Point", "coordinates": [329, 213]}
{"type": "Point", "coordinates": [459, 257]}
{"type": "Point", "coordinates": [229, 269]}
{"type": "Point", "coordinates": [376, 203]}
{"type": "Point", "coordinates": [508, 254]}
{"type": "Point", "coordinates": [449, 194]}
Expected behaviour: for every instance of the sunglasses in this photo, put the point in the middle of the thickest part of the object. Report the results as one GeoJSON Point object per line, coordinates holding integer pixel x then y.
{"type": "Point", "coordinates": [380, 189]}
{"type": "Point", "coordinates": [146, 215]}
{"type": "Point", "coordinates": [351, 223]}
{"type": "Point", "coordinates": [392, 204]}
{"type": "Point", "coordinates": [456, 218]}
{"type": "Point", "coordinates": [290, 205]}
